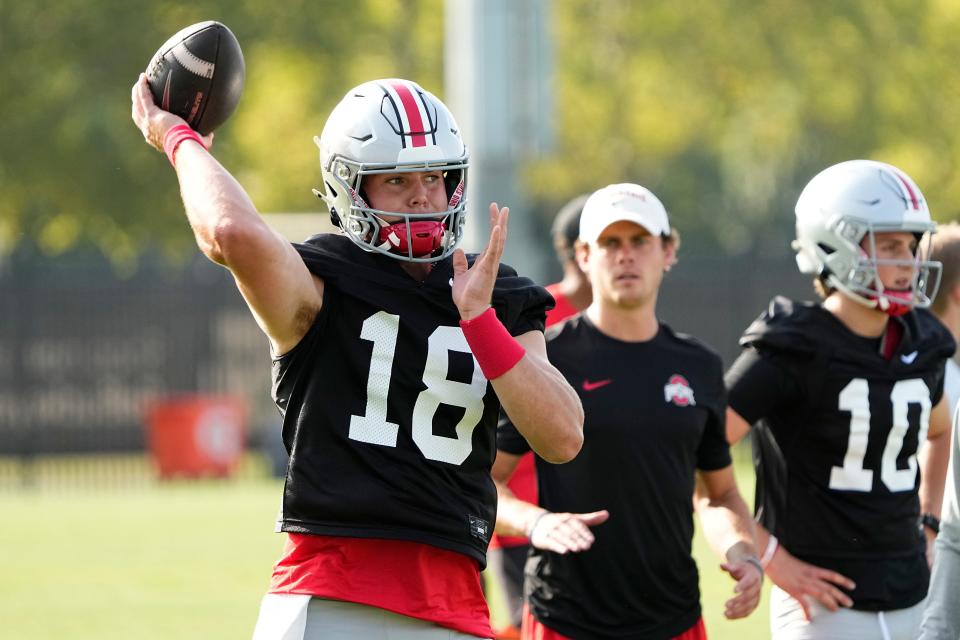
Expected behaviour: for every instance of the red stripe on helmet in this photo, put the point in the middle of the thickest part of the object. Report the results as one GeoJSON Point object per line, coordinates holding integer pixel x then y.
{"type": "Point", "coordinates": [906, 185]}
{"type": "Point", "coordinates": [417, 136]}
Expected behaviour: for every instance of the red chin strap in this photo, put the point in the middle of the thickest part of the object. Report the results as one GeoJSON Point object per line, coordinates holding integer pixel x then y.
{"type": "Point", "coordinates": [426, 236]}
{"type": "Point", "coordinates": [895, 309]}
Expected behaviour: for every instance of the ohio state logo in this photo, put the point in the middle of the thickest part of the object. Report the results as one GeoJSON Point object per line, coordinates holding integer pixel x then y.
{"type": "Point", "coordinates": [678, 391]}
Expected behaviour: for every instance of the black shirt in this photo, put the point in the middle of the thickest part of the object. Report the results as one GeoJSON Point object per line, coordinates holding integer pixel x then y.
{"type": "Point", "coordinates": [836, 442]}
{"type": "Point", "coordinates": [388, 420]}
{"type": "Point", "coordinates": [654, 413]}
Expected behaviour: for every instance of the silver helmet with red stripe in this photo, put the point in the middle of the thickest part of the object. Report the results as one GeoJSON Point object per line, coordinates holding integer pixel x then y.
{"type": "Point", "coordinates": [852, 201]}
{"type": "Point", "coordinates": [393, 126]}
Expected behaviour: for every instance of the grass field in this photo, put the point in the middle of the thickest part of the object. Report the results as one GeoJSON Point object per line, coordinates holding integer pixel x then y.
{"type": "Point", "coordinates": [177, 560]}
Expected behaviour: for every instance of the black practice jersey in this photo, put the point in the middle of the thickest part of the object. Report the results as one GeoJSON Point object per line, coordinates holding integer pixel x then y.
{"type": "Point", "coordinates": [838, 428]}
{"type": "Point", "coordinates": [654, 413]}
{"type": "Point", "coordinates": [388, 420]}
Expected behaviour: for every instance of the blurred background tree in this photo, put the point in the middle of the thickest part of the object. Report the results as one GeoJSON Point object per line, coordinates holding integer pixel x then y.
{"type": "Point", "coordinates": [725, 110]}
{"type": "Point", "coordinates": [75, 171]}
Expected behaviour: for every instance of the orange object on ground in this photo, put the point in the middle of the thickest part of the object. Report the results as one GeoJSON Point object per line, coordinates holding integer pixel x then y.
{"type": "Point", "coordinates": [196, 435]}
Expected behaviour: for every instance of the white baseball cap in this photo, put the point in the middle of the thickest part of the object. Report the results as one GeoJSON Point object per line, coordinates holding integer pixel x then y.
{"type": "Point", "coordinates": [618, 202]}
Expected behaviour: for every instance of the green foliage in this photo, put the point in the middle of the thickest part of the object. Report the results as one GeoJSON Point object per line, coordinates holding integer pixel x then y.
{"type": "Point", "coordinates": [723, 108]}
{"type": "Point", "coordinates": [726, 110]}
{"type": "Point", "coordinates": [74, 169]}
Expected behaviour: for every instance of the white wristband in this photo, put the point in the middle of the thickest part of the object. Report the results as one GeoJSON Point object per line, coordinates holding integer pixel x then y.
{"type": "Point", "coordinates": [772, 545]}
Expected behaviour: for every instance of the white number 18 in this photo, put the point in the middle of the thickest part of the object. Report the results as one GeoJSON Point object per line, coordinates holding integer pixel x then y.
{"type": "Point", "coordinates": [382, 329]}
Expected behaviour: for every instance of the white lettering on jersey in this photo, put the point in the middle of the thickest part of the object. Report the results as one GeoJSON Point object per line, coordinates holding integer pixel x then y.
{"type": "Point", "coordinates": [382, 329]}
{"type": "Point", "coordinates": [855, 398]}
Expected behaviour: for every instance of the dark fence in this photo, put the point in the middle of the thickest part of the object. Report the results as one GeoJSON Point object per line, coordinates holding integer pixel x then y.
{"type": "Point", "coordinates": [84, 353]}
{"type": "Point", "coordinates": [716, 298]}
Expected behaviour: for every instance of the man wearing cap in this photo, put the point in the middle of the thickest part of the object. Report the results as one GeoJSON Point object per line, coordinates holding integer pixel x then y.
{"type": "Point", "coordinates": [613, 529]}
{"type": "Point", "coordinates": [507, 555]}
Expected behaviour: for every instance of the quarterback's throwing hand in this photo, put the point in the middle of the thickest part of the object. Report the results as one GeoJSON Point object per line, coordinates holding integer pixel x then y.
{"type": "Point", "coordinates": [803, 580]}
{"type": "Point", "coordinates": [153, 121]}
{"type": "Point", "coordinates": [564, 532]}
{"type": "Point", "coordinates": [473, 287]}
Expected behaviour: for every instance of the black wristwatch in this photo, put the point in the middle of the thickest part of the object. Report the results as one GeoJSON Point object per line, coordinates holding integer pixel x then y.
{"type": "Point", "coordinates": [930, 521]}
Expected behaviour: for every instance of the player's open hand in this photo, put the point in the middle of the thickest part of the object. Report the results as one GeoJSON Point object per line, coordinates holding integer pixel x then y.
{"type": "Point", "coordinates": [747, 589]}
{"type": "Point", "coordinates": [153, 121]}
{"type": "Point", "coordinates": [565, 532]}
{"type": "Point", "coordinates": [805, 581]}
{"type": "Point", "coordinates": [473, 287]}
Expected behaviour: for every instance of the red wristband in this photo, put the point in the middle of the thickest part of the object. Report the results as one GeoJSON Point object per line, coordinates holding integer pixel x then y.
{"type": "Point", "coordinates": [175, 136]}
{"type": "Point", "coordinates": [494, 348]}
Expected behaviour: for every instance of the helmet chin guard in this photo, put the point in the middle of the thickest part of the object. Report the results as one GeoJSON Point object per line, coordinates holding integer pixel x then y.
{"type": "Point", "coordinates": [852, 201]}
{"type": "Point", "coordinates": [893, 308]}
{"type": "Point", "coordinates": [393, 126]}
{"type": "Point", "coordinates": [419, 239]}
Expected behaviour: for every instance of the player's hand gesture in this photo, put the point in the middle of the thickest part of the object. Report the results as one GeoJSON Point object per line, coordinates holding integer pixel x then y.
{"type": "Point", "coordinates": [153, 121]}
{"type": "Point", "coordinates": [805, 581]}
{"type": "Point", "coordinates": [565, 532]}
{"type": "Point", "coordinates": [747, 589]}
{"type": "Point", "coordinates": [473, 287]}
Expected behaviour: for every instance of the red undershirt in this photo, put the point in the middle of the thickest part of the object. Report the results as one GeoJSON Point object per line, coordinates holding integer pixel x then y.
{"type": "Point", "coordinates": [563, 309]}
{"type": "Point", "coordinates": [408, 578]}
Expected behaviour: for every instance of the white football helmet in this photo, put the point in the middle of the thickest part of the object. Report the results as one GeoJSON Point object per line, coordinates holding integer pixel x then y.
{"type": "Point", "coordinates": [852, 200]}
{"type": "Point", "coordinates": [393, 126]}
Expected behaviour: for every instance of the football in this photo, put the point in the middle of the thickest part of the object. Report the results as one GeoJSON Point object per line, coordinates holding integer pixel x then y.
{"type": "Point", "coordinates": [198, 74]}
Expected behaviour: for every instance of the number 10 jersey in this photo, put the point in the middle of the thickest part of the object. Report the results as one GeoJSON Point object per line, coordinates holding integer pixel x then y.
{"type": "Point", "coordinates": [388, 420]}
{"type": "Point", "coordinates": [836, 441]}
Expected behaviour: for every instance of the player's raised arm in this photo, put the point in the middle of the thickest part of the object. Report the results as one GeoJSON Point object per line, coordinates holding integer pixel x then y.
{"type": "Point", "coordinates": [539, 401]}
{"type": "Point", "coordinates": [280, 291]}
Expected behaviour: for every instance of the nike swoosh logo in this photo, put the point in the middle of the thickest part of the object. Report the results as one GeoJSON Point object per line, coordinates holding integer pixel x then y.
{"type": "Point", "coordinates": [908, 358]}
{"type": "Point", "coordinates": [591, 386]}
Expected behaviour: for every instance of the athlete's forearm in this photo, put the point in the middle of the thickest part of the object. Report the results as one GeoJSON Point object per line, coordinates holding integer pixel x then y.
{"type": "Point", "coordinates": [514, 516]}
{"type": "Point", "coordinates": [727, 525]}
{"type": "Point", "coordinates": [934, 459]}
{"type": "Point", "coordinates": [543, 407]}
{"type": "Point", "coordinates": [215, 203]}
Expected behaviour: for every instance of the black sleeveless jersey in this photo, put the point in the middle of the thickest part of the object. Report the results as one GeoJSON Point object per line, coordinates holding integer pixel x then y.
{"type": "Point", "coordinates": [654, 414]}
{"type": "Point", "coordinates": [388, 420]}
{"type": "Point", "coordinates": [836, 440]}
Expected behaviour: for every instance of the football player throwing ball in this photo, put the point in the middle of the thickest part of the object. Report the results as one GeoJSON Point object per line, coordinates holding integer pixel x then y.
{"type": "Point", "coordinates": [393, 352]}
